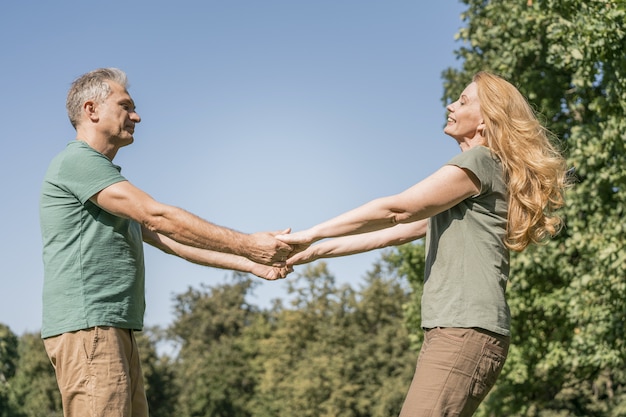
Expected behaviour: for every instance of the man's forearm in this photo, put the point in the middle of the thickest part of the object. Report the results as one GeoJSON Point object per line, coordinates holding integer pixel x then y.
{"type": "Point", "coordinates": [125, 200]}
{"type": "Point", "coordinates": [212, 258]}
{"type": "Point", "coordinates": [189, 229]}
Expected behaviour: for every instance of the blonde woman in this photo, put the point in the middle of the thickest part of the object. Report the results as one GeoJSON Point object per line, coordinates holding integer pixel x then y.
{"type": "Point", "coordinates": [499, 194]}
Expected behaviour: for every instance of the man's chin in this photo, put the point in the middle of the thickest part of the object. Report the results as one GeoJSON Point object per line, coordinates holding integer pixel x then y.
{"type": "Point", "coordinates": [127, 141]}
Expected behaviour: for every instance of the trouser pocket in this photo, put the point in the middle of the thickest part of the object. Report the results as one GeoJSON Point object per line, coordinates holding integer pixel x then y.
{"type": "Point", "coordinates": [487, 370]}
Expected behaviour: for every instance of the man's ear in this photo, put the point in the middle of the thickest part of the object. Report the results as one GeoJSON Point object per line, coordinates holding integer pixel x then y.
{"type": "Point", "coordinates": [90, 109]}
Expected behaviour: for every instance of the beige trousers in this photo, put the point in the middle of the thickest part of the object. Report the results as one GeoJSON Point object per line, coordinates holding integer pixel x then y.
{"type": "Point", "coordinates": [456, 368]}
{"type": "Point", "coordinates": [98, 372]}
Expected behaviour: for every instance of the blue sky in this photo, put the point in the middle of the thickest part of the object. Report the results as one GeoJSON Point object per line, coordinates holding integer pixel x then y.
{"type": "Point", "coordinates": [256, 115]}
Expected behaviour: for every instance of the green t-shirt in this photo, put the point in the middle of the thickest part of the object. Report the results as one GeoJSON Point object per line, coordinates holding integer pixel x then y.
{"type": "Point", "coordinates": [93, 260]}
{"type": "Point", "coordinates": [467, 263]}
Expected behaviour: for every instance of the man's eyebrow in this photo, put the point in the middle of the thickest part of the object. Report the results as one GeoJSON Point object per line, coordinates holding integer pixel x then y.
{"type": "Point", "coordinates": [128, 101]}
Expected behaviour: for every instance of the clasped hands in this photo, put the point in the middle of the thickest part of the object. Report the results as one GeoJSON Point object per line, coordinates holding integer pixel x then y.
{"type": "Point", "coordinates": [279, 252]}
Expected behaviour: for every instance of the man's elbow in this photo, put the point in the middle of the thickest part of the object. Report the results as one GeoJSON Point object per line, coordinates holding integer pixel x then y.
{"type": "Point", "coordinates": [156, 218]}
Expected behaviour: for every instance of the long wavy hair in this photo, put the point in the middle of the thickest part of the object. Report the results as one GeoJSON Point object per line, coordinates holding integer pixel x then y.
{"type": "Point", "coordinates": [534, 169]}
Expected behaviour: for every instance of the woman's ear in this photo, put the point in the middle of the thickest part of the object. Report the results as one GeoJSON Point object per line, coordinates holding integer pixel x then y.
{"type": "Point", "coordinates": [482, 128]}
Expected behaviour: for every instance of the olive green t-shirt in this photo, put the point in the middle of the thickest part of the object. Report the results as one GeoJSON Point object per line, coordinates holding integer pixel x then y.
{"type": "Point", "coordinates": [93, 260]}
{"type": "Point", "coordinates": [467, 263]}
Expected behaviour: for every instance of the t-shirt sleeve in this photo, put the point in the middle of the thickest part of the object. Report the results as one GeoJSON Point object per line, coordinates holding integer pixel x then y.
{"type": "Point", "coordinates": [87, 173]}
{"type": "Point", "coordinates": [480, 162]}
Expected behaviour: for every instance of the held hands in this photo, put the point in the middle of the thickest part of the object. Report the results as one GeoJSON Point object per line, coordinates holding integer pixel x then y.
{"type": "Point", "coordinates": [270, 273]}
{"type": "Point", "coordinates": [309, 254]}
{"type": "Point", "coordinates": [275, 253]}
{"type": "Point", "coordinates": [302, 251]}
{"type": "Point", "coordinates": [266, 249]}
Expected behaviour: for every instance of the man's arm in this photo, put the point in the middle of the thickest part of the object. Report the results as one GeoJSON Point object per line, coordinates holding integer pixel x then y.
{"type": "Point", "coordinates": [125, 200]}
{"type": "Point", "coordinates": [364, 242]}
{"type": "Point", "coordinates": [212, 258]}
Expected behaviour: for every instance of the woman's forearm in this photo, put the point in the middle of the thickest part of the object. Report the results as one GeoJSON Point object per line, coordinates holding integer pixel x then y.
{"type": "Point", "coordinates": [364, 242]}
{"type": "Point", "coordinates": [367, 218]}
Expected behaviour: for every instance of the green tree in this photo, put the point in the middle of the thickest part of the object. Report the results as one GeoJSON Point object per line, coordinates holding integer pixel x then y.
{"type": "Point", "coordinates": [158, 373]}
{"type": "Point", "coordinates": [8, 362]}
{"type": "Point", "coordinates": [567, 297]}
{"type": "Point", "coordinates": [213, 369]}
{"type": "Point", "coordinates": [34, 390]}
{"type": "Point", "coordinates": [336, 351]}
{"type": "Point", "coordinates": [296, 375]}
{"type": "Point", "coordinates": [408, 262]}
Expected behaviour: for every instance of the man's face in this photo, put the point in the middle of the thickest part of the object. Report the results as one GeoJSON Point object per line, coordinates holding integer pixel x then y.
{"type": "Point", "coordinates": [117, 116]}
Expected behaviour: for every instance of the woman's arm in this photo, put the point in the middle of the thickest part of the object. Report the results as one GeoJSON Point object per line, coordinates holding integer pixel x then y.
{"type": "Point", "coordinates": [349, 245]}
{"type": "Point", "coordinates": [440, 191]}
{"type": "Point", "coordinates": [211, 258]}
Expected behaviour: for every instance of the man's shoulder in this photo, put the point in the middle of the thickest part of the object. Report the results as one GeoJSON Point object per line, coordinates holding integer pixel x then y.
{"type": "Point", "coordinates": [78, 155]}
{"type": "Point", "coordinates": [80, 170]}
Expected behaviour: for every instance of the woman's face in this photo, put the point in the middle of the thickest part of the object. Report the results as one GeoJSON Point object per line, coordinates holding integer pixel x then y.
{"type": "Point", "coordinates": [465, 122]}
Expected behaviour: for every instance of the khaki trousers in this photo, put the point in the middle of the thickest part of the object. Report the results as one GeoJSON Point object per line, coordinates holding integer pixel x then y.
{"type": "Point", "coordinates": [456, 368]}
{"type": "Point", "coordinates": [98, 372]}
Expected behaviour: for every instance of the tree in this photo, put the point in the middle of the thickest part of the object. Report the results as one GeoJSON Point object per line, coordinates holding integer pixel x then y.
{"type": "Point", "coordinates": [336, 351]}
{"type": "Point", "coordinates": [567, 297]}
{"type": "Point", "coordinates": [34, 390]}
{"type": "Point", "coordinates": [8, 362]}
{"type": "Point", "coordinates": [213, 368]}
{"type": "Point", "coordinates": [409, 262]}
{"type": "Point", "coordinates": [158, 373]}
{"type": "Point", "coordinates": [297, 374]}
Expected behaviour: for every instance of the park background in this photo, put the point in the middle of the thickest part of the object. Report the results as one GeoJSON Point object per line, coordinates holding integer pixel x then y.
{"type": "Point", "coordinates": [256, 115]}
{"type": "Point", "coordinates": [265, 115]}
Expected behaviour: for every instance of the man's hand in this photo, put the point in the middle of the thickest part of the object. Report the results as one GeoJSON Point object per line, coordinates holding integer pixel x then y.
{"type": "Point", "coordinates": [267, 250]}
{"type": "Point", "coordinates": [270, 273]}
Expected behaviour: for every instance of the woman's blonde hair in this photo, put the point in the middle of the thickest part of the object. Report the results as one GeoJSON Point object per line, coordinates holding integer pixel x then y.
{"type": "Point", "coordinates": [534, 169]}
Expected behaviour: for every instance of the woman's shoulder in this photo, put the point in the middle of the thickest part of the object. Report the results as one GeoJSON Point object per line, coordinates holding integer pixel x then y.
{"type": "Point", "coordinates": [482, 151]}
{"type": "Point", "coordinates": [478, 155]}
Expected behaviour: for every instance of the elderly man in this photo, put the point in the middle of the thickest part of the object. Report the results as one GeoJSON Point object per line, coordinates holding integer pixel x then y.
{"type": "Point", "coordinates": [93, 223]}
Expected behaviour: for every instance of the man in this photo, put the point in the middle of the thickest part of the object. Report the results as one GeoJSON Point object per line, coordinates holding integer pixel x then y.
{"type": "Point", "coordinates": [93, 222]}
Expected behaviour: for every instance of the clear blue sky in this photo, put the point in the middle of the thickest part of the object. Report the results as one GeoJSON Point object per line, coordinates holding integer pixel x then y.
{"type": "Point", "coordinates": [256, 115]}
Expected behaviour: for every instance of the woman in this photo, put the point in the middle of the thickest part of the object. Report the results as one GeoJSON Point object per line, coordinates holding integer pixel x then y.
{"type": "Point", "coordinates": [499, 194]}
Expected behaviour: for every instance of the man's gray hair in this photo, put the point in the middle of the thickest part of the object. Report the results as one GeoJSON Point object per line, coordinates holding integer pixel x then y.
{"type": "Point", "coordinates": [92, 86]}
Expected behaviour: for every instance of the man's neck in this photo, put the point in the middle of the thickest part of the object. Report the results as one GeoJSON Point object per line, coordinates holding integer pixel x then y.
{"type": "Point", "coordinates": [102, 146]}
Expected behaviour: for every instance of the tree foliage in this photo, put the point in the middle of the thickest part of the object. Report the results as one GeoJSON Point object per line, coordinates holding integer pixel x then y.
{"type": "Point", "coordinates": [408, 262]}
{"type": "Point", "coordinates": [333, 351]}
{"type": "Point", "coordinates": [158, 372]}
{"type": "Point", "coordinates": [213, 367]}
{"type": "Point", "coordinates": [567, 297]}
{"type": "Point", "coordinates": [33, 389]}
{"type": "Point", "coordinates": [8, 362]}
{"type": "Point", "coordinates": [337, 352]}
